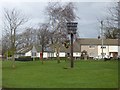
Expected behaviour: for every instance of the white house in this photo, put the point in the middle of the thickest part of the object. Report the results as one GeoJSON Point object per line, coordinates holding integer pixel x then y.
{"type": "Point", "coordinates": [76, 50]}
{"type": "Point", "coordinates": [29, 53]}
{"type": "Point", "coordinates": [119, 50]}
{"type": "Point", "coordinates": [119, 47]}
{"type": "Point", "coordinates": [108, 50]}
{"type": "Point", "coordinates": [93, 46]}
{"type": "Point", "coordinates": [51, 51]}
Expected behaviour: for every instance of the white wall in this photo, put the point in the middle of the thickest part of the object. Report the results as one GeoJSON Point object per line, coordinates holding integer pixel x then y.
{"type": "Point", "coordinates": [76, 54]}
{"type": "Point", "coordinates": [113, 48]}
{"type": "Point", "coordinates": [55, 54]}
{"type": "Point", "coordinates": [62, 54]}
{"type": "Point", "coordinates": [105, 50]}
{"type": "Point", "coordinates": [38, 54]}
{"type": "Point", "coordinates": [45, 55]}
{"type": "Point", "coordinates": [28, 53]}
{"type": "Point", "coordinates": [50, 54]}
{"type": "Point", "coordinates": [118, 50]}
{"type": "Point", "coordinates": [108, 49]}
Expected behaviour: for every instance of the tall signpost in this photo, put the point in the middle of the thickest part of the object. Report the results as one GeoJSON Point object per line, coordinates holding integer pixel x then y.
{"type": "Point", "coordinates": [72, 28]}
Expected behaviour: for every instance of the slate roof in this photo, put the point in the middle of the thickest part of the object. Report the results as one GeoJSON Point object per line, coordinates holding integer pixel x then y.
{"type": "Point", "coordinates": [24, 49]}
{"type": "Point", "coordinates": [61, 46]}
{"type": "Point", "coordinates": [95, 41]}
{"type": "Point", "coordinates": [76, 45]}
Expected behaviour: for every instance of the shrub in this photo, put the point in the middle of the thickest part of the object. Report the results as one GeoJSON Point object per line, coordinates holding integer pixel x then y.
{"type": "Point", "coordinates": [24, 58]}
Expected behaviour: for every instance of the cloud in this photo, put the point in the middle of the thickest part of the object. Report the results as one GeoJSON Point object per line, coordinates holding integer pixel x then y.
{"type": "Point", "coordinates": [59, 0]}
{"type": "Point", "coordinates": [33, 10]}
{"type": "Point", "coordinates": [88, 12]}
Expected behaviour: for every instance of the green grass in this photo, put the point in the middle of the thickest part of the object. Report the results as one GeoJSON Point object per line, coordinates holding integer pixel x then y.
{"type": "Point", "coordinates": [85, 74]}
{"type": "Point", "coordinates": [0, 73]}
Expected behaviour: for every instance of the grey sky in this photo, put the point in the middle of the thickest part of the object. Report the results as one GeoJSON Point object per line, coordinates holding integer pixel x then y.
{"type": "Point", "coordinates": [88, 12]}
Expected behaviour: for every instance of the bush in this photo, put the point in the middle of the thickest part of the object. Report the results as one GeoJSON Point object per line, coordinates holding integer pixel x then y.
{"type": "Point", "coordinates": [37, 58]}
{"type": "Point", "coordinates": [24, 58]}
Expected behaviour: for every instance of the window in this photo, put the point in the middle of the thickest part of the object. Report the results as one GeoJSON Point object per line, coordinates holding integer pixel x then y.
{"type": "Point", "coordinates": [91, 46]}
{"type": "Point", "coordinates": [103, 47]}
{"type": "Point", "coordinates": [77, 53]}
{"type": "Point", "coordinates": [33, 53]}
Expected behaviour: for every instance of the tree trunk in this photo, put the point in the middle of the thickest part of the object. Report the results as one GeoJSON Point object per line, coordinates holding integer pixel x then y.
{"type": "Point", "coordinates": [57, 54]}
{"type": "Point", "coordinates": [13, 62]}
{"type": "Point", "coordinates": [13, 58]}
{"type": "Point", "coordinates": [42, 53]}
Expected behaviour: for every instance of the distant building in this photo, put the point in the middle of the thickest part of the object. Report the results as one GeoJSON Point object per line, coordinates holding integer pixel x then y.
{"type": "Point", "coordinates": [94, 47]}
{"type": "Point", "coordinates": [111, 47]}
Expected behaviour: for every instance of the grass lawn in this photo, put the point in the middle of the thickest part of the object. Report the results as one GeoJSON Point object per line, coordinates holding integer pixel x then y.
{"type": "Point", "coordinates": [0, 73]}
{"type": "Point", "coordinates": [85, 74]}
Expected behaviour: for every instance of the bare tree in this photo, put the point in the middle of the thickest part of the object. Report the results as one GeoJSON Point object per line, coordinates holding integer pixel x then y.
{"type": "Point", "coordinates": [119, 22]}
{"type": "Point", "coordinates": [13, 20]}
{"type": "Point", "coordinates": [112, 22]}
{"type": "Point", "coordinates": [111, 33]}
{"type": "Point", "coordinates": [59, 15]}
{"type": "Point", "coordinates": [5, 45]}
{"type": "Point", "coordinates": [26, 38]}
{"type": "Point", "coordinates": [43, 36]}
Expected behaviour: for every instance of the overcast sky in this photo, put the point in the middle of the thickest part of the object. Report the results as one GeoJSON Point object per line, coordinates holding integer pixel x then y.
{"type": "Point", "coordinates": [88, 12]}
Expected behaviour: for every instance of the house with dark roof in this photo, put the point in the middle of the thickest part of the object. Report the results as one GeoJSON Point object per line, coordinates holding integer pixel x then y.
{"type": "Point", "coordinates": [36, 51]}
{"type": "Point", "coordinates": [50, 51]}
{"type": "Point", "coordinates": [93, 46]}
{"type": "Point", "coordinates": [118, 47]}
{"type": "Point", "coordinates": [76, 50]}
{"type": "Point", "coordinates": [63, 51]}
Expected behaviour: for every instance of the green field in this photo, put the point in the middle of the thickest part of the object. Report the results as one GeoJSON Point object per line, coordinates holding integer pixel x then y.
{"type": "Point", "coordinates": [0, 73]}
{"type": "Point", "coordinates": [85, 74]}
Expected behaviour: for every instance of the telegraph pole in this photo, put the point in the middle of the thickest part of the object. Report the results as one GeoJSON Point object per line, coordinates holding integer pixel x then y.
{"type": "Point", "coordinates": [119, 22]}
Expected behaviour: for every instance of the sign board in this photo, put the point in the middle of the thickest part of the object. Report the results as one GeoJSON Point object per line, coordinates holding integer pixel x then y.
{"type": "Point", "coordinates": [72, 27]}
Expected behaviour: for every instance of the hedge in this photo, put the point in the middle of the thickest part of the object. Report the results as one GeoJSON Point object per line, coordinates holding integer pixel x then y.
{"type": "Point", "coordinates": [24, 58]}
